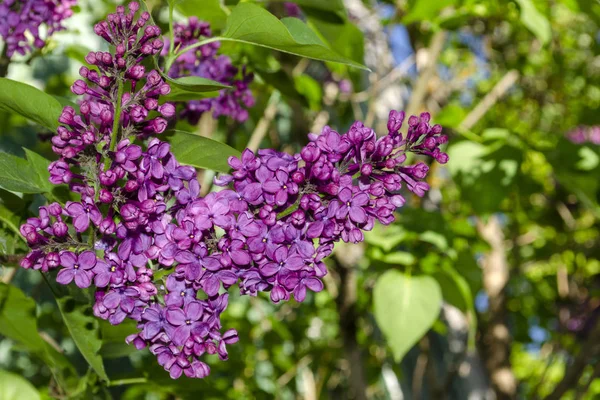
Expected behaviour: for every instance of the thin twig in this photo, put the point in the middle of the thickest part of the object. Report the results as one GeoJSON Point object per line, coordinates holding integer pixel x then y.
{"type": "Point", "coordinates": [263, 124]}
{"type": "Point", "coordinates": [507, 81]}
{"type": "Point", "coordinates": [425, 76]}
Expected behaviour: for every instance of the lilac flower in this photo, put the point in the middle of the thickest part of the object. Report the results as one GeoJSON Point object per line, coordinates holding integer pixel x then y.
{"type": "Point", "coordinates": [352, 205]}
{"type": "Point", "coordinates": [167, 251]}
{"type": "Point", "coordinates": [281, 259]}
{"type": "Point", "coordinates": [204, 62]}
{"type": "Point", "coordinates": [77, 267]}
{"type": "Point", "coordinates": [187, 322]}
{"type": "Point", "coordinates": [83, 213]}
{"type": "Point", "coordinates": [23, 18]}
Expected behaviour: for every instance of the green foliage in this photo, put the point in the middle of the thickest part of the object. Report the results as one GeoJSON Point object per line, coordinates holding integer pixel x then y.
{"type": "Point", "coordinates": [405, 308]}
{"type": "Point", "coordinates": [14, 387]}
{"type": "Point", "coordinates": [201, 152]}
{"type": "Point", "coordinates": [211, 11]}
{"type": "Point", "coordinates": [84, 329]}
{"type": "Point", "coordinates": [24, 176]}
{"type": "Point", "coordinates": [252, 24]}
{"type": "Point", "coordinates": [31, 103]}
{"type": "Point", "coordinates": [535, 21]}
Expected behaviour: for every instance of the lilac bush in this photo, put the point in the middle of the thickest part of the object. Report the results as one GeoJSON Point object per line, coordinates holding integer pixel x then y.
{"type": "Point", "coordinates": [204, 62]}
{"type": "Point", "coordinates": [22, 17]}
{"type": "Point", "coordinates": [156, 252]}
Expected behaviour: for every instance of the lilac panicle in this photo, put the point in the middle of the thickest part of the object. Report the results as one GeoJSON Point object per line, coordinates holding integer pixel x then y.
{"type": "Point", "coordinates": [157, 252]}
{"type": "Point", "coordinates": [25, 17]}
{"type": "Point", "coordinates": [204, 62]}
{"type": "Point", "coordinates": [131, 190]}
{"type": "Point", "coordinates": [585, 134]}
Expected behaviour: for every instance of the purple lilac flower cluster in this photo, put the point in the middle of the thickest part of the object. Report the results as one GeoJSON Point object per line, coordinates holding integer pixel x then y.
{"type": "Point", "coordinates": [585, 134]}
{"type": "Point", "coordinates": [204, 62]}
{"type": "Point", "coordinates": [130, 194]}
{"type": "Point", "coordinates": [158, 253]}
{"type": "Point", "coordinates": [27, 16]}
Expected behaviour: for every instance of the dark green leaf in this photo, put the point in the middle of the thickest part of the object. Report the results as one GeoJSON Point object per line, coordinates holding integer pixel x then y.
{"type": "Point", "coordinates": [31, 103]}
{"type": "Point", "coordinates": [39, 167]}
{"type": "Point", "coordinates": [84, 330]}
{"type": "Point", "coordinates": [17, 175]}
{"type": "Point", "coordinates": [327, 5]}
{"type": "Point", "coordinates": [178, 94]}
{"type": "Point", "coordinates": [18, 322]}
{"type": "Point", "coordinates": [15, 387]}
{"type": "Point", "coordinates": [113, 339]}
{"type": "Point", "coordinates": [249, 23]}
{"type": "Point", "coordinates": [405, 308]}
{"type": "Point", "coordinates": [206, 10]}
{"type": "Point", "coordinates": [201, 152]}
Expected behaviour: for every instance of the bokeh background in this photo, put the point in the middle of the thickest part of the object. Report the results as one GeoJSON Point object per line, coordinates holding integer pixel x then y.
{"type": "Point", "coordinates": [498, 263]}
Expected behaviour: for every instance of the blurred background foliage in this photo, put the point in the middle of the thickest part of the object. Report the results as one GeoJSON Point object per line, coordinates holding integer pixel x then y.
{"type": "Point", "coordinates": [489, 287]}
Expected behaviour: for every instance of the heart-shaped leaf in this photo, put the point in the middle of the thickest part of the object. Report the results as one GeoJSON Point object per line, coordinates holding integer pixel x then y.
{"type": "Point", "coordinates": [405, 308]}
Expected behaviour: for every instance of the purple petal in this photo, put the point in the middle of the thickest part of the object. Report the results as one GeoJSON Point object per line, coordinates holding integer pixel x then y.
{"type": "Point", "coordinates": [300, 293]}
{"type": "Point", "coordinates": [175, 316]}
{"type": "Point", "coordinates": [68, 259]}
{"type": "Point", "coordinates": [269, 269]}
{"type": "Point", "coordinates": [314, 284]}
{"type": "Point", "coordinates": [65, 276]}
{"type": "Point", "coordinates": [358, 215]}
{"type": "Point", "coordinates": [83, 279]}
{"type": "Point", "coordinates": [193, 310]}
{"type": "Point", "coordinates": [181, 334]}
{"type": "Point", "coordinates": [87, 259]}
{"type": "Point", "coordinates": [111, 300]}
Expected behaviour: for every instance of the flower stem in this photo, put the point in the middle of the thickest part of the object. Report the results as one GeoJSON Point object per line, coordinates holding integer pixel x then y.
{"type": "Point", "coordinates": [129, 381]}
{"type": "Point", "coordinates": [173, 56]}
{"type": "Point", "coordinates": [171, 33]}
{"type": "Point", "coordinates": [115, 129]}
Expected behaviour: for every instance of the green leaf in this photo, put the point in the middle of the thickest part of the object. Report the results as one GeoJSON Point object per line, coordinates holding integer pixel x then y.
{"type": "Point", "coordinates": [206, 10]}
{"type": "Point", "coordinates": [329, 5]}
{"type": "Point", "coordinates": [195, 84]}
{"type": "Point", "coordinates": [535, 21]}
{"type": "Point", "coordinates": [405, 308]}
{"type": "Point", "coordinates": [310, 89]}
{"type": "Point", "coordinates": [424, 10]}
{"type": "Point", "coordinates": [249, 23]}
{"type": "Point", "coordinates": [456, 291]}
{"type": "Point", "coordinates": [113, 339]}
{"type": "Point", "coordinates": [31, 103]}
{"type": "Point", "coordinates": [201, 152]}
{"type": "Point", "coordinates": [178, 94]}
{"type": "Point", "coordinates": [84, 330]}
{"type": "Point", "coordinates": [16, 175]}
{"type": "Point", "coordinates": [346, 38]}
{"type": "Point", "coordinates": [14, 387]}
{"type": "Point", "coordinates": [39, 167]}
{"type": "Point", "coordinates": [18, 322]}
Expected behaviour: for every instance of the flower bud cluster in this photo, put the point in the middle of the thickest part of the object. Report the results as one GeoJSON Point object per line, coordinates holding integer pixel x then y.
{"type": "Point", "coordinates": [204, 62]}
{"type": "Point", "coordinates": [21, 18]}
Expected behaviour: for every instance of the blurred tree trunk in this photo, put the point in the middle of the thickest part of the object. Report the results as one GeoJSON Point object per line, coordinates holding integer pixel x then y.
{"type": "Point", "coordinates": [496, 337]}
{"type": "Point", "coordinates": [346, 260]}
